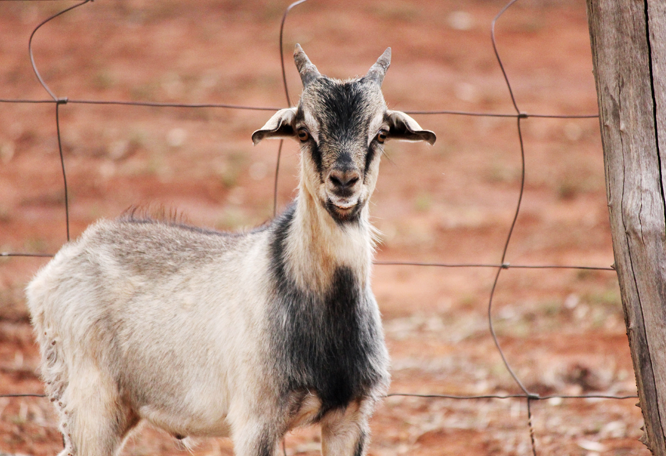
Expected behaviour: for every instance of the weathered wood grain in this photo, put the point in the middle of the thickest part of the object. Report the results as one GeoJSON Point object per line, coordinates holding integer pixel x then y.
{"type": "Point", "coordinates": [628, 41]}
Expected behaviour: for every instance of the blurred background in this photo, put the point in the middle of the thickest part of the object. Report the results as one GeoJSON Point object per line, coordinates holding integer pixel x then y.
{"type": "Point", "coordinates": [562, 330]}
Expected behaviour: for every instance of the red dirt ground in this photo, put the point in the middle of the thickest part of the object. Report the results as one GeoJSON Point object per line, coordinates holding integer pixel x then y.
{"type": "Point", "coordinates": [562, 330]}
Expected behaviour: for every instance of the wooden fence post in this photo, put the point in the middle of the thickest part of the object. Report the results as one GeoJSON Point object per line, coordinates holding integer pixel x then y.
{"type": "Point", "coordinates": [628, 40]}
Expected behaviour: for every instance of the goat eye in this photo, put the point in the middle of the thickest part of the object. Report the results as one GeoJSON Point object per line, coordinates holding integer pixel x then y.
{"type": "Point", "coordinates": [381, 136]}
{"type": "Point", "coordinates": [303, 135]}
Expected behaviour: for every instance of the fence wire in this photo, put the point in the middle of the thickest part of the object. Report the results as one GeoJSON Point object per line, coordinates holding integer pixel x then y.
{"type": "Point", "coordinates": [519, 115]}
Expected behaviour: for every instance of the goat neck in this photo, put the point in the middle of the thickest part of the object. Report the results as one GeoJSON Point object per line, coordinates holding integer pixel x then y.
{"type": "Point", "coordinates": [317, 245]}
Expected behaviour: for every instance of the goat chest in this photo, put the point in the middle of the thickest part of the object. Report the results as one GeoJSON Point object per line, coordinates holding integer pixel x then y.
{"type": "Point", "coordinates": [330, 343]}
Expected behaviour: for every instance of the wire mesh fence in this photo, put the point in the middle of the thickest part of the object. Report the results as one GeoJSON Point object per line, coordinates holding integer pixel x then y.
{"type": "Point", "coordinates": [522, 391]}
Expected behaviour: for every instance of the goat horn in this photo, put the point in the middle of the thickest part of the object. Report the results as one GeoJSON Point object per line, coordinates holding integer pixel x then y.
{"type": "Point", "coordinates": [307, 70]}
{"type": "Point", "coordinates": [378, 70]}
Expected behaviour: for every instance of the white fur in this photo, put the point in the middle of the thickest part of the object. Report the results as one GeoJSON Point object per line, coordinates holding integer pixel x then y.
{"type": "Point", "coordinates": [157, 322]}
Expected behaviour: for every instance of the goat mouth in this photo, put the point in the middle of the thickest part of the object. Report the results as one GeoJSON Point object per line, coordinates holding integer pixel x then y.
{"type": "Point", "coordinates": [345, 206]}
{"type": "Point", "coordinates": [344, 212]}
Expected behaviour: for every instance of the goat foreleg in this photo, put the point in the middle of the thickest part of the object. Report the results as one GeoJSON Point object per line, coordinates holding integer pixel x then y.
{"type": "Point", "coordinates": [345, 432]}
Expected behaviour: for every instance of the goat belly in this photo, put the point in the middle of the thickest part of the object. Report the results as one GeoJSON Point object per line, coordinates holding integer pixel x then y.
{"type": "Point", "coordinates": [330, 345]}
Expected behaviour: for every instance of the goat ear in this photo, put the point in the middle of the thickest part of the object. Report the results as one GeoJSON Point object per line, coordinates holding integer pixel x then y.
{"type": "Point", "coordinates": [404, 128]}
{"type": "Point", "coordinates": [281, 125]}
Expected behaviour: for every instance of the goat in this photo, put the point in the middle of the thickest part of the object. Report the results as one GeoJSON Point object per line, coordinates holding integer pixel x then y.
{"type": "Point", "coordinates": [204, 333]}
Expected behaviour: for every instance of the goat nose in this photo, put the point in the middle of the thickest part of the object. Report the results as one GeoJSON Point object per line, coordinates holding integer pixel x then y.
{"type": "Point", "coordinates": [343, 179]}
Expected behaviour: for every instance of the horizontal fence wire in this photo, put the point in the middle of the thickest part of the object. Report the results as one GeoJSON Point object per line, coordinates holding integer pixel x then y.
{"type": "Point", "coordinates": [156, 104]}
{"type": "Point", "coordinates": [151, 104]}
{"type": "Point", "coordinates": [531, 396]}
{"type": "Point", "coordinates": [519, 115]}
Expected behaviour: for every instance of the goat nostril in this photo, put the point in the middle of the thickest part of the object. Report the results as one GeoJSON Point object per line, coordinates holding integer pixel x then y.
{"type": "Point", "coordinates": [343, 180]}
{"type": "Point", "coordinates": [337, 182]}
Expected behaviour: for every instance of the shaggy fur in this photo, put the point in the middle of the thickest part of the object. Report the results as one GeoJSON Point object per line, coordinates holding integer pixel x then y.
{"type": "Point", "coordinates": [204, 333]}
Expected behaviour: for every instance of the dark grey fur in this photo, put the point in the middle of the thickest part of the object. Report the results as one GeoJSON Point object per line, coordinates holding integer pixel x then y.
{"type": "Point", "coordinates": [327, 343]}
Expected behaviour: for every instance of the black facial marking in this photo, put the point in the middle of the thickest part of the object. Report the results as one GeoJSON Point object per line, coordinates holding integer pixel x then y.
{"type": "Point", "coordinates": [317, 158]}
{"type": "Point", "coordinates": [346, 109]}
{"type": "Point", "coordinates": [327, 343]}
{"type": "Point", "coordinates": [344, 161]}
{"type": "Point", "coordinates": [368, 160]}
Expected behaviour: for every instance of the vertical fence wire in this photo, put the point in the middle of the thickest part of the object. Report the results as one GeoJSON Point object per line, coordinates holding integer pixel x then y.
{"type": "Point", "coordinates": [58, 102]}
{"type": "Point", "coordinates": [525, 394]}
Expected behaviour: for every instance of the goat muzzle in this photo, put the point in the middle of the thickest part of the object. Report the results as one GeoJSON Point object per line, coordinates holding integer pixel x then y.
{"type": "Point", "coordinates": [343, 183]}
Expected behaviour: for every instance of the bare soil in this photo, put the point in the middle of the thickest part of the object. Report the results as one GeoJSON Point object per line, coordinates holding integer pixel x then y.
{"type": "Point", "coordinates": [561, 330]}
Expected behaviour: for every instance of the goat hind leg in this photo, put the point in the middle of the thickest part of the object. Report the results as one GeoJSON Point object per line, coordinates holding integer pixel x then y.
{"type": "Point", "coordinates": [94, 420]}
